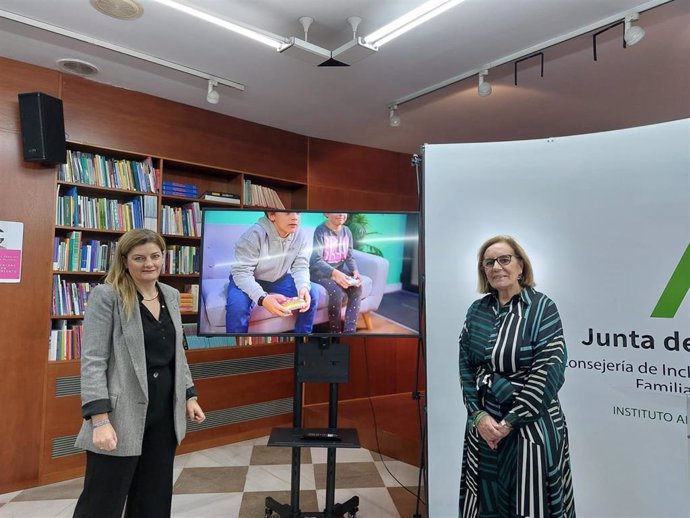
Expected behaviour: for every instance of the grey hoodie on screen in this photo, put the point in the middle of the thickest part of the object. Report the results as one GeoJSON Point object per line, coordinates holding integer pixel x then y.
{"type": "Point", "coordinates": [261, 254]}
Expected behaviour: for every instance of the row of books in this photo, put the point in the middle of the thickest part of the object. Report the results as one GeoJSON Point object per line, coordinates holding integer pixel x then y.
{"type": "Point", "coordinates": [75, 210]}
{"type": "Point", "coordinates": [182, 221]}
{"type": "Point", "coordinates": [188, 190]}
{"type": "Point", "coordinates": [65, 341]}
{"type": "Point", "coordinates": [261, 196]}
{"type": "Point", "coordinates": [97, 170]}
{"type": "Point", "coordinates": [71, 254]}
{"type": "Point", "coordinates": [69, 298]}
{"type": "Point", "coordinates": [189, 299]}
{"type": "Point", "coordinates": [181, 260]}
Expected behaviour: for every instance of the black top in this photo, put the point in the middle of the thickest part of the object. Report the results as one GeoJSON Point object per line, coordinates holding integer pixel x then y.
{"type": "Point", "coordinates": [159, 335]}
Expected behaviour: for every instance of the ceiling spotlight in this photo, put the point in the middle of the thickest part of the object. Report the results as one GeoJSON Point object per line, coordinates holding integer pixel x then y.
{"type": "Point", "coordinates": [633, 33]}
{"type": "Point", "coordinates": [484, 87]}
{"type": "Point", "coordinates": [393, 119]}
{"type": "Point", "coordinates": [212, 95]}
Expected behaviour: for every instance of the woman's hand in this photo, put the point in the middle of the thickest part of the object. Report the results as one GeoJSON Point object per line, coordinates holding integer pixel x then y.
{"type": "Point", "coordinates": [104, 436]}
{"type": "Point", "coordinates": [491, 431]}
{"type": "Point", "coordinates": [194, 411]}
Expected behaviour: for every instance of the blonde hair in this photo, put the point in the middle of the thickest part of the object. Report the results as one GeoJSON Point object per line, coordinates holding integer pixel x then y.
{"type": "Point", "coordinates": [526, 279]}
{"type": "Point", "coordinates": [118, 275]}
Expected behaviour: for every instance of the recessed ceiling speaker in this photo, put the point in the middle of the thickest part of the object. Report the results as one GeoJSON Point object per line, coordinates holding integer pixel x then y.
{"type": "Point", "coordinates": [43, 128]}
{"type": "Point", "coordinates": [120, 9]}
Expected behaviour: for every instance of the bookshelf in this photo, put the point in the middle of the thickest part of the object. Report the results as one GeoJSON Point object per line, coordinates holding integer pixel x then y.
{"type": "Point", "coordinates": [103, 192]}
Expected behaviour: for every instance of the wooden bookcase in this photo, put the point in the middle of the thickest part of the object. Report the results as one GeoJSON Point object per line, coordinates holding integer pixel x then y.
{"type": "Point", "coordinates": [267, 392]}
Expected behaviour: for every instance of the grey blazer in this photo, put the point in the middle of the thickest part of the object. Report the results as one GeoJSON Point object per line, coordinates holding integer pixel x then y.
{"type": "Point", "coordinates": [113, 366]}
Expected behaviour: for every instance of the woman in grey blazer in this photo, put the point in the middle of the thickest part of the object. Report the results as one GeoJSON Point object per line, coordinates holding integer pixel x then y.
{"type": "Point", "coordinates": [135, 385]}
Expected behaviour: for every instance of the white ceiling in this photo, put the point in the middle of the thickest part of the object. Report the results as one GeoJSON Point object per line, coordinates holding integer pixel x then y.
{"type": "Point", "coordinates": [349, 104]}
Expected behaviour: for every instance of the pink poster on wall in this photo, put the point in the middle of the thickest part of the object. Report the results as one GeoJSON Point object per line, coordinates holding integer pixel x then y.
{"type": "Point", "coordinates": [11, 234]}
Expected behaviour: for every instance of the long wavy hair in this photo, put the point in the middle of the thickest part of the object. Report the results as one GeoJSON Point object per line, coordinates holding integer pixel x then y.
{"type": "Point", "coordinates": [118, 274]}
{"type": "Point", "coordinates": [527, 278]}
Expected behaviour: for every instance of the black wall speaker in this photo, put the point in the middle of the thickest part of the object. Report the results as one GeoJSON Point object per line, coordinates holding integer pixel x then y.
{"type": "Point", "coordinates": [43, 128]}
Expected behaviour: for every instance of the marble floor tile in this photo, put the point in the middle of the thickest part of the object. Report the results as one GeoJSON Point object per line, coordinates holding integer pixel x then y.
{"type": "Point", "coordinates": [209, 505]}
{"type": "Point", "coordinates": [228, 455]}
{"type": "Point", "coordinates": [58, 491]}
{"type": "Point", "coordinates": [277, 478]}
{"type": "Point", "coordinates": [405, 474]}
{"type": "Point", "coordinates": [36, 508]}
{"type": "Point", "coordinates": [8, 496]}
{"type": "Point", "coordinates": [4, 498]}
{"type": "Point", "coordinates": [318, 455]}
{"type": "Point", "coordinates": [254, 503]}
{"type": "Point", "coordinates": [373, 502]}
{"type": "Point", "coordinates": [263, 455]}
{"type": "Point", "coordinates": [211, 480]}
{"type": "Point", "coordinates": [348, 475]}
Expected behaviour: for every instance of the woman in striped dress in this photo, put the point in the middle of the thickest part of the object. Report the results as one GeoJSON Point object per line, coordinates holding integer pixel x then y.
{"type": "Point", "coordinates": [516, 462]}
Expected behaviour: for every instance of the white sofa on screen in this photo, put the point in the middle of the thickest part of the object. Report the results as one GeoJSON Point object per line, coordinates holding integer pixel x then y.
{"type": "Point", "coordinates": [218, 255]}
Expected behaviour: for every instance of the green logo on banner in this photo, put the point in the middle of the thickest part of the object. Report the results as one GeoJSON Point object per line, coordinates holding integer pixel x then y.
{"type": "Point", "coordinates": [676, 289]}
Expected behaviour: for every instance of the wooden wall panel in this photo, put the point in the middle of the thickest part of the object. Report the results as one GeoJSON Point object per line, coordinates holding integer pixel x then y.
{"type": "Point", "coordinates": [109, 117]}
{"type": "Point", "coordinates": [103, 115]}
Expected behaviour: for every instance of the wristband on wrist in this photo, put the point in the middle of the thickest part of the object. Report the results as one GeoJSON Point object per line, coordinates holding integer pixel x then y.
{"type": "Point", "coordinates": [478, 416]}
{"type": "Point", "coordinates": [260, 302]}
{"type": "Point", "coordinates": [100, 423]}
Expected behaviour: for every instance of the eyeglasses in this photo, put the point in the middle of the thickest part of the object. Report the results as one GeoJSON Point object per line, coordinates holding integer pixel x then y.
{"type": "Point", "coordinates": [503, 260]}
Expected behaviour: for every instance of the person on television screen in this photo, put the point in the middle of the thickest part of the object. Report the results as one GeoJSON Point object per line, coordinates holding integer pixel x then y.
{"type": "Point", "coordinates": [516, 459]}
{"type": "Point", "coordinates": [271, 266]}
{"type": "Point", "coordinates": [333, 266]}
{"type": "Point", "coordinates": [136, 386]}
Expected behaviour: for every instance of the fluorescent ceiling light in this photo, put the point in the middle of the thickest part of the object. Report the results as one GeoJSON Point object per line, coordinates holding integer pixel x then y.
{"type": "Point", "coordinates": [410, 20]}
{"type": "Point", "coordinates": [272, 40]}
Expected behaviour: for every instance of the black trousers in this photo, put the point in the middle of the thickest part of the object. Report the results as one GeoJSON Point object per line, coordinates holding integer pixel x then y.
{"type": "Point", "coordinates": [144, 482]}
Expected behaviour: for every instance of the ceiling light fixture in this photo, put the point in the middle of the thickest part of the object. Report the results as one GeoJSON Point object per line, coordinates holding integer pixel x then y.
{"type": "Point", "coordinates": [633, 33]}
{"type": "Point", "coordinates": [212, 95]}
{"type": "Point", "coordinates": [302, 49]}
{"type": "Point", "coordinates": [356, 49]}
{"type": "Point", "coordinates": [410, 20]}
{"type": "Point", "coordinates": [117, 48]}
{"type": "Point", "coordinates": [267, 38]}
{"type": "Point", "coordinates": [484, 87]}
{"type": "Point", "coordinates": [393, 119]}
{"type": "Point", "coordinates": [538, 48]}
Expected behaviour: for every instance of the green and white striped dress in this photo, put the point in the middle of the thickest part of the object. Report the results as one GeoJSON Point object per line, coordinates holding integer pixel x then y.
{"type": "Point", "coordinates": [512, 364]}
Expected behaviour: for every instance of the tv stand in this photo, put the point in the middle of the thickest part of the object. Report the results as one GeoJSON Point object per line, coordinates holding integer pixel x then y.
{"type": "Point", "coordinates": [319, 360]}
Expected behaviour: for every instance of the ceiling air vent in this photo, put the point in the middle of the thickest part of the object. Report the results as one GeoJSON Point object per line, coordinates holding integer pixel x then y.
{"type": "Point", "coordinates": [77, 66]}
{"type": "Point", "coordinates": [120, 9]}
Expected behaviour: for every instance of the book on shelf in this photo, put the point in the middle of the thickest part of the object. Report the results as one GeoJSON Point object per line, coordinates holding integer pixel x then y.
{"type": "Point", "coordinates": [193, 290]}
{"type": "Point", "coordinates": [261, 196]}
{"type": "Point", "coordinates": [110, 173]}
{"type": "Point", "coordinates": [180, 189]}
{"type": "Point", "coordinates": [65, 341]}
{"type": "Point", "coordinates": [181, 260]}
{"type": "Point", "coordinates": [223, 197]}
{"type": "Point", "coordinates": [204, 342]}
{"type": "Point", "coordinates": [182, 221]}
{"type": "Point", "coordinates": [75, 210]}
{"type": "Point", "coordinates": [69, 298]}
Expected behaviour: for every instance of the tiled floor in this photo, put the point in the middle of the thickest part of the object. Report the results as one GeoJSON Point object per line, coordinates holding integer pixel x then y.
{"type": "Point", "coordinates": [233, 481]}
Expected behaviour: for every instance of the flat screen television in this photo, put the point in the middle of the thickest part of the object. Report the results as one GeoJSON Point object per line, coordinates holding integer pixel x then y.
{"type": "Point", "coordinates": [311, 273]}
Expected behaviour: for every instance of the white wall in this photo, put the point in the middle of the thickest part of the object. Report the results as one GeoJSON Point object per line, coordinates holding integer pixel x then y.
{"type": "Point", "coordinates": [605, 219]}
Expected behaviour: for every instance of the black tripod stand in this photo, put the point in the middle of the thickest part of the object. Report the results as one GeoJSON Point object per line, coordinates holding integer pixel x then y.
{"type": "Point", "coordinates": [316, 361]}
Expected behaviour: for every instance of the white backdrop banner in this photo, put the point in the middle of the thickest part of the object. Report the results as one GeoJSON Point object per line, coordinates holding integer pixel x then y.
{"type": "Point", "coordinates": [605, 219]}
